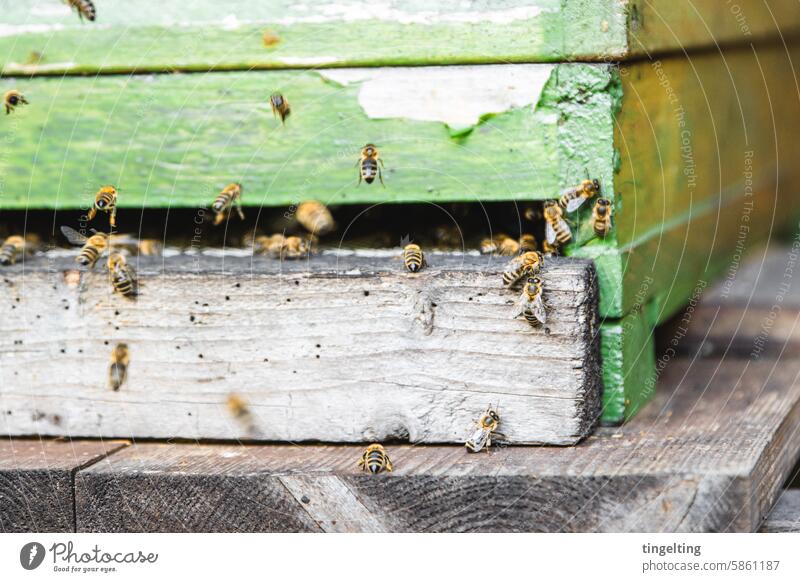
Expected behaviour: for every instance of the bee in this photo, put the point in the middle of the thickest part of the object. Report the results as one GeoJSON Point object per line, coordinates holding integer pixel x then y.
{"type": "Point", "coordinates": [272, 244]}
{"type": "Point", "coordinates": [122, 276]}
{"type": "Point", "coordinates": [93, 246]}
{"type": "Point", "coordinates": [556, 228]}
{"type": "Point", "coordinates": [527, 243]}
{"type": "Point", "coordinates": [290, 247]}
{"type": "Point", "coordinates": [105, 201]}
{"type": "Point", "coordinates": [280, 106]}
{"type": "Point", "coordinates": [374, 460]}
{"type": "Point", "coordinates": [315, 217]}
{"type": "Point", "coordinates": [550, 250]}
{"type": "Point", "coordinates": [118, 370]}
{"type": "Point", "coordinates": [508, 247]}
{"type": "Point", "coordinates": [237, 406]}
{"type": "Point", "coordinates": [601, 216]}
{"type": "Point", "coordinates": [368, 166]}
{"type": "Point", "coordinates": [532, 213]}
{"type": "Point", "coordinates": [15, 245]}
{"type": "Point", "coordinates": [531, 303]}
{"type": "Point", "coordinates": [481, 438]}
{"type": "Point", "coordinates": [526, 264]}
{"type": "Point", "coordinates": [13, 98]}
{"type": "Point", "coordinates": [491, 245]}
{"type": "Point", "coordinates": [150, 247]}
{"type": "Point", "coordinates": [413, 257]}
{"type": "Point", "coordinates": [573, 198]}
{"type": "Point", "coordinates": [85, 9]}
{"type": "Point", "coordinates": [230, 197]}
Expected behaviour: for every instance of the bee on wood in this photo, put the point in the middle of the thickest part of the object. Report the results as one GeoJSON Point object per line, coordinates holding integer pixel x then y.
{"type": "Point", "coordinates": [413, 257]}
{"type": "Point", "coordinates": [481, 438]}
{"type": "Point", "coordinates": [105, 201]}
{"type": "Point", "coordinates": [556, 228]}
{"type": "Point", "coordinates": [531, 304]}
{"type": "Point", "coordinates": [122, 276]}
{"type": "Point", "coordinates": [508, 247]}
{"type": "Point", "coordinates": [229, 198]}
{"type": "Point", "coordinates": [527, 243]}
{"type": "Point", "coordinates": [491, 245]}
{"type": "Point", "coordinates": [15, 246]}
{"type": "Point", "coordinates": [375, 460]}
{"type": "Point", "coordinates": [85, 9]}
{"type": "Point", "coordinates": [280, 106]}
{"type": "Point", "coordinates": [370, 165]}
{"type": "Point", "coordinates": [118, 370]}
{"type": "Point", "coordinates": [237, 406]}
{"type": "Point", "coordinates": [93, 246]}
{"type": "Point", "coordinates": [272, 244]}
{"type": "Point", "coordinates": [12, 99]}
{"type": "Point", "coordinates": [315, 217]}
{"type": "Point", "coordinates": [573, 198]}
{"type": "Point", "coordinates": [601, 217]}
{"type": "Point", "coordinates": [525, 264]}
{"type": "Point", "coordinates": [287, 247]}
{"type": "Point", "coordinates": [550, 250]}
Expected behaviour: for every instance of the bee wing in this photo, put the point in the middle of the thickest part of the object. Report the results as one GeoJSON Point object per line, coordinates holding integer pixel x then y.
{"type": "Point", "coordinates": [575, 203]}
{"type": "Point", "coordinates": [73, 236]}
{"type": "Point", "coordinates": [478, 439]}
{"type": "Point", "coordinates": [571, 191]}
{"type": "Point", "coordinates": [538, 310]}
{"type": "Point", "coordinates": [549, 233]}
{"type": "Point", "coordinates": [565, 227]}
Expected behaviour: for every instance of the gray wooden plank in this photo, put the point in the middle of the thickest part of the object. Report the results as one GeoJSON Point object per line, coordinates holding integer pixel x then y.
{"type": "Point", "coordinates": [785, 516]}
{"type": "Point", "coordinates": [36, 481]}
{"type": "Point", "coordinates": [340, 348]}
{"type": "Point", "coordinates": [709, 454]}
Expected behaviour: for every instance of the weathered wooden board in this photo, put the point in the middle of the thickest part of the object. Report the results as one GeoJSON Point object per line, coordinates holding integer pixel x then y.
{"type": "Point", "coordinates": [43, 37]}
{"type": "Point", "coordinates": [708, 454]}
{"type": "Point", "coordinates": [785, 516]}
{"type": "Point", "coordinates": [342, 348]}
{"type": "Point", "coordinates": [37, 477]}
{"type": "Point", "coordinates": [472, 134]}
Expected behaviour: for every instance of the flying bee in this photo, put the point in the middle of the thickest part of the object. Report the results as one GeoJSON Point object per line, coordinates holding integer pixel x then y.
{"type": "Point", "coordinates": [237, 406]}
{"type": "Point", "coordinates": [368, 166]}
{"type": "Point", "coordinates": [118, 370]}
{"type": "Point", "coordinates": [85, 9]}
{"type": "Point", "coordinates": [105, 201]}
{"type": "Point", "coordinates": [269, 38]}
{"type": "Point", "coordinates": [491, 245]}
{"type": "Point", "coordinates": [481, 438]}
{"type": "Point", "coordinates": [230, 197]}
{"type": "Point", "coordinates": [315, 217]}
{"type": "Point", "coordinates": [601, 216]}
{"type": "Point", "coordinates": [14, 246]}
{"type": "Point", "coordinates": [413, 257]}
{"type": "Point", "coordinates": [122, 276]}
{"type": "Point", "coordinates": [531, 303]}
{"type": "Point", "coordinates": [280, 106]}
{"type": "Point", "coordinates": [93, 246]}
{"type": "Point", "coordinates": [13, 98]}
{"type": "Point", "coordinates": [573, 198]}
{"type": "Point", "coordinates": [527, 243]}
{"type": "Point", "coordinates": [556, 228]}
{"type": "Point", "coordinates": [525, 264]}
{"type": "Point", "coordinates": [375, 460]}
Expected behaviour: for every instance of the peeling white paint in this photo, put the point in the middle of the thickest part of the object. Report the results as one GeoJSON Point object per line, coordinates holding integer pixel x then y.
{"type": "Point", "coordinates": [310, 61]}
{"type": "Point", "coordinates": [38, 68]}
{"type": "Point", "coordinates": [230, 22]}
{"type": "Point", "coordinates": [457, 96]}
{"type": "Point", "coordinates": [390, 11]}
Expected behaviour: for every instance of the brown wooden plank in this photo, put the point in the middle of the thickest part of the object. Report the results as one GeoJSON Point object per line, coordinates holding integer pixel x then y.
{"type": "Point", "coordinates": [36, 481]}
{"type": "Point", "coordinates": [785, 516]}
{"type": "Point", "coordinates": [708, 454]}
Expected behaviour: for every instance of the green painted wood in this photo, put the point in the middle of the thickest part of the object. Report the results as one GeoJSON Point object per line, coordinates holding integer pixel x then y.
{"type": "Point", "coordinates": [176, 140]}
{"type": "Point", "coordinates": [44, 37]}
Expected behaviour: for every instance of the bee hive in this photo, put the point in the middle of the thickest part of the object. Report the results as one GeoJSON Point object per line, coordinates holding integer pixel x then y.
{"type": "Point", "coordinates": [472, 104]}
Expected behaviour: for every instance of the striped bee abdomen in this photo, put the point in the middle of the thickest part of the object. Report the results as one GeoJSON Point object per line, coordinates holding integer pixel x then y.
{"type": "Point", "coordinates": [375, 460]}
{"type": "Point", "coordinates": [413, 258]}
{"type": "Point", "coordinates": [85, 9]}
{"type": "Point", "coordinates": [369, 170]}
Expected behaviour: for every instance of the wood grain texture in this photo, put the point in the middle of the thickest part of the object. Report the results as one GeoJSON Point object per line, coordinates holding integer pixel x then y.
{"type": "Point", "coordinates": [145, 36]}
{"type": "Point", "coordinates": [785, 516]}
{"type": "Point", "coordinates": [709, 454]}
{"type": "Point", "coordinates": [342, 348]}
{"type": "Point", "coordinates": [36, 480]}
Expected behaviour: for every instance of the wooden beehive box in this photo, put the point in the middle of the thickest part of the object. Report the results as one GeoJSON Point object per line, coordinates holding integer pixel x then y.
{"type": "Point", "coordinates": [491, 102]}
